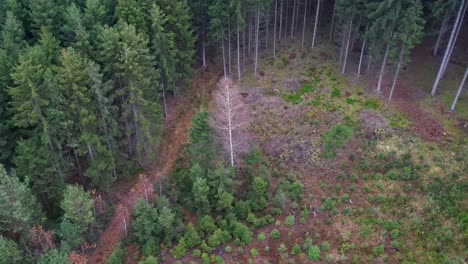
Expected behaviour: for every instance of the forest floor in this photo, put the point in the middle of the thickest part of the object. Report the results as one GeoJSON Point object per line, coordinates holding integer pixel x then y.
{"type": "Point", "coordinates": [390, 193]}
{"type": "Point", "coordinates": [175, 136]}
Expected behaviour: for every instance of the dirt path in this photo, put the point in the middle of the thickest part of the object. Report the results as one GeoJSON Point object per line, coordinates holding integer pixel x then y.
{"type": "Point", "coordinates": [175, 136]}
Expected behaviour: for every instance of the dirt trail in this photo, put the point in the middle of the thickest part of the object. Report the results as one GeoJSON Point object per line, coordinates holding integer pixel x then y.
{"type": "Point", "coordinates": [175, 135]}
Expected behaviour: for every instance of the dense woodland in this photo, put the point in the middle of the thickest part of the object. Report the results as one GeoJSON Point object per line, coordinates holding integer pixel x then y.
{"type": "Point", "coordinates": [83, 104]}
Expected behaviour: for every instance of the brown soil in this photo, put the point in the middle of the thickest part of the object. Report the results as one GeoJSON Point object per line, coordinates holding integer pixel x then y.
{"type": "Point", "coordinates": [175, 136]}
{"type": "Point", "coordinates": [405, 99]}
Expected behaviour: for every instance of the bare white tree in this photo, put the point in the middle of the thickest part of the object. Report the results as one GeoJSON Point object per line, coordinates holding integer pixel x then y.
{"type": "Point", "coordinates": [228, 116]}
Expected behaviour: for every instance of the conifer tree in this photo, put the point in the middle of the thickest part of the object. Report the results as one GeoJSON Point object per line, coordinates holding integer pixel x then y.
{"type": "Point", "coordinates": [36, 105]}
{"type": "Point", "coordinates": [10, 252]}
{"type": "Point", "coordinates": [78, 208]}
{"type": "Point", "coordinates": [140, 93]}
{"type": "Point", "coordinates": [179, 22]}
{"type": "Point", "coordinates": [12, 42]}
{"type": "Point", "coordinates": [163, 48]}
{"type": "Point", "coordinates": [19, 209]}
{"type": "Point", "coordinates": [77, 84]}
{"type": "Point", "coordinates": [130, 12]}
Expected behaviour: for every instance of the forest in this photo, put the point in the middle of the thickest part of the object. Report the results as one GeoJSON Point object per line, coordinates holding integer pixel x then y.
{"type": "Point", "coordinates": [233, 131]}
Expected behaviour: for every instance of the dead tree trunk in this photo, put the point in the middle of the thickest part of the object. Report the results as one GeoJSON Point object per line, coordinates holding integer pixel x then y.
{"type": "Point", "coordinates": [400, 61]}
{"type": "Point", "coordinates": [228, 116]}
{"type": "Point", "coordinates": [316, 22]}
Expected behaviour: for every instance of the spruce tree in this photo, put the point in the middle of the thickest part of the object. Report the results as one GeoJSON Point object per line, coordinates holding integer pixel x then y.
{"type": "Point", "coordinates": [12, 42]}
{"type": "Point", "coordinates": [36, 105]}
{"type": "Point", "coordinates": [19, 209]}
{"type": "Point", "coordinates": [140, 93]}
{"type": "Point", "coordinates": [163, 48]}
{"type": "Point", "coordinates": [78, 208]}
{"type": "Point", "coordinates": [179, 22]}
{"type": "Point", "coordinates": [83, 117]}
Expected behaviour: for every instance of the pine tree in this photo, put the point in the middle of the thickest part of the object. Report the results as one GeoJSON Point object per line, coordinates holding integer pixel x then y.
{"type": "Point", "coordinates": [200, 192]}
{"type": "Point", "coordinates": [200, 17]}
{"type": "Point", "coordinates": [78, 208]}
{"type": "Point", "coordinates": [12, 42]}
{"type": "Point", "coordinates": [36, 106]}
{"type": "Point", "coordinates": [19, 209]}
{"type": "Point", "coordinates": [162, 46]}
{"type": "Point", "coordinates": [10, 252]}
{"type": "Point", "coordinates": [179, 22]}
{"type": "Point", "coordinates": [44, 14]}
{"type": "Point", "coordinates": [201, 141]}
{"type": "Point", "coordinates": [139, 92]}
{"type": "Point", "coordinates": [76, 84]}
{"type": "Point", "coordinates": [72, 23]}
{"type": "Point", "coordinates": [130, 12]}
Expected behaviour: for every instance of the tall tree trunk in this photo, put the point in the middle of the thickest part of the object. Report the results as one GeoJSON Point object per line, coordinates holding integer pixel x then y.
{"type": "Point", "coordinates": [462, 84]}
{"type": "Point", "coordinates": [343, 40]}
{"type": "Point", "coordinates": [382, 70]}
{"type": "Point", "coordinates": [296, 24]}
{"type": "Point", "coordinates": [274, 30]}
{"type": "Point", "coordinates": [229, 47]}
{"type": "Point", "coordinates": [164, 100]}
{"type": "Point", "coordinates": [332, 22]}
{"type": "Point", "coordinates": [286, 19]}
{"type": "Point", "coordinates": [369, 62]}
{"type": "Point", "coordinates": [222, 50]}
{"type": "Point", "coordinates": [400, 61]}
{"type": "Point", "coordinates": [238, 53]}
{"type": "Point", "coordinates": [281, 20]}
{"type": "Point", "coordinates": [243, 44]}
{"type": "Point", "coordinates": [356, 31]}
{"type": "Point", "coordinates": [337, 27]}
{"type": "Point", "coordinates": [256, 39]}
{"type": "Point", "coordinates": [304, 25]}
{"type": "Point", "coordinates": [347, 45]}
{"type": "Point", "coordinates": [362, 52]}
{"type": "Point", "coordinates": [442, 31]}
{"type": "Point", "coordinates": [267, 20]}
{"type": "Point", "coordinates": [292, 20]}
{"type": "Point", "coordinates": [316, 22]}
{"type": "Point", "coordinates": [447, 50]}
{"type": "Point", "coordinates": [250, 35]}
{"type": "Point", "coordinates": [455, 40]}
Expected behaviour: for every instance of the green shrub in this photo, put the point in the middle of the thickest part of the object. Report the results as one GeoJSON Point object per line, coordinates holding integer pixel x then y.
{"type": "Point", "coordinates": [205, 258]}
{"type": "Point", "coordinates": [117, 255]}
{"type": "Point", "coordinates": [228, 249]}
{"type": "Point", "coordinates": [196, 253]}
{"type": "Point", "coordinates": [292, 98]}
{"type": "Point", "coordinates": [371, 104]}
{"type": "Point", "coordinates": [243, 209]}
{"type": "Point", "coordinates": [296, 249]}
{"type": "Point", "coordinates": [399, 121]}
{"type": "Point", "coordinates": [180, 250]}
{"type": "Point", "coordinates": [378, 250]}
{"type": "Point", "coordinates": [336, 92]}
{"type": "Point", "coordinates": [282, 248]}
{"type": "Point", "coordinates": [205, 247]}
{"type": "Point", "coordinates": [289, 222]}
{"type": "Point", "coordinates": [325, 246]}
{"type": "Point", "coordinates": [261, 237]}
{"type": "Point", "coordinates": [191, 236]}
{"type": "Point", "coordinates": [207, 224]}
{"type": "Point", "coordinates": [275, 234]}
{"type": "Point", "coordinates": [254, 252]}
{"type": "Point", "coordinates": [313, 253]}
{"type": "Point", "coordinates": [334, 139]}
{"type": "Point", "coordinates": [151, 247]}
{"type": "Point", "coordinates": [242, 233]}
{"type": "Point", "coordinates": [149, 260]}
